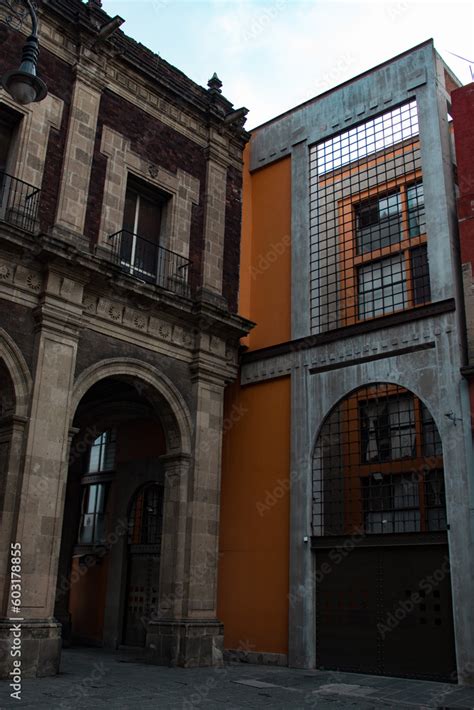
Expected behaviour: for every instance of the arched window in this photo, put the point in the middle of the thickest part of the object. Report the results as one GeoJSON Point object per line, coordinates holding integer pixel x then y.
{"type": "Point", "coordinates": [146, 516]}
{"type": "Point", "coordinates": [378, 466]}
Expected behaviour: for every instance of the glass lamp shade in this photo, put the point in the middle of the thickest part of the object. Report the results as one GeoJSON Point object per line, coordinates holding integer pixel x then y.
{"type": "Point", "coordinates": [24, 87]}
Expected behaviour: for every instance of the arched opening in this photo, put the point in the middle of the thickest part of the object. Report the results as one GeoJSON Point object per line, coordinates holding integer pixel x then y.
{"type": "Point", "coordinates": [383, 593]}
{"type": "Point", "coordinates": [7, 409]}
{"type": "Point", "coordinates": [378, 466]}
{"type": "Point", "coordinates": [121, 430]}
{"type": "Point", "coordinates": [15, 388]}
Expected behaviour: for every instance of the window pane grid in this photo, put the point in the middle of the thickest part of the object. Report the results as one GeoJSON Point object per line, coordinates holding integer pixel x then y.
{"type": "Point", "coordinates": [377, 466]}
{"type": "Point", "coordinates": [367, 222]}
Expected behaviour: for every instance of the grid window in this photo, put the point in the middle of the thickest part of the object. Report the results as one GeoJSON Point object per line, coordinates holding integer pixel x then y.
{"type": "Point", "coordinates": [367, 222]}
{"type": "Point", "coordinates": [102, 452]}
{"type": "Point", "coordinates": [378, 466]}
{"type": "Point", "coordinates": [146, 517]}
{"type": "Point", "coordinates": [388, 429]}
{"type": "Point", "coordinates": [382, 287]}
{"type": "Point", "coordinates": [379, 223]}
{"type": "Point", "coordinates": [96, 483]}
{"type": "Point", "coordinates": [92, 528]}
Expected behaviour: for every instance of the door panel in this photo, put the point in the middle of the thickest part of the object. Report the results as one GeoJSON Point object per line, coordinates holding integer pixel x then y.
{"type": "Point", "coordinates": [386, 610]}
{"type": "Point", "coordinates": [417, 588]}
{"type": "Point", "coordinates": [142, 595]}
{"type": "Point", "coordinates": [346, 608]}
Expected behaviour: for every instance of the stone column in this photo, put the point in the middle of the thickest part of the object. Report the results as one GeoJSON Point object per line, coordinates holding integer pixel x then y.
{"type": "Point", "coordinates": [38, 528]}
{"type": "Point", "coordinates": [187, 632]}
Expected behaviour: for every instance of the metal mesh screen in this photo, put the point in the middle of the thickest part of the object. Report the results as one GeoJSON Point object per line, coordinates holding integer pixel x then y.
{"type": "Point", "coordinates": [367, 222]}
{"type": "Point", "coordinates": [378, 466]}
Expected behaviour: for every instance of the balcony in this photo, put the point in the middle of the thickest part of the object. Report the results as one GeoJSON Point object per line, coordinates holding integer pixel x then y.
{"type": "Point", "coordinates": [150, 263]}
{"type": "Point", "coordinates": [19, 202]}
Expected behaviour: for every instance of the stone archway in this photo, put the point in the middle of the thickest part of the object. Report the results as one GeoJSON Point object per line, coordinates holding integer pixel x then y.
{"type": "Point", "coordinates": [113, 394]}
{"type": "Point", "coordinates": [153, 384]}
{"type": "Point", "coordinates": [15, 392]}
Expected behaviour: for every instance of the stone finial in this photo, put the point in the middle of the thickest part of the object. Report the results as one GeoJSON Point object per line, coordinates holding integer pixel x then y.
{"type": "Point", "coordinates": [95, 3]}
{"type": "Point", "coordinates": [215, 84]}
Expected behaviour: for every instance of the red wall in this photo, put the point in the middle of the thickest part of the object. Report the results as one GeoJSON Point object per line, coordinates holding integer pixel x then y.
{"type": "Point", "coordinates": [463, 113]}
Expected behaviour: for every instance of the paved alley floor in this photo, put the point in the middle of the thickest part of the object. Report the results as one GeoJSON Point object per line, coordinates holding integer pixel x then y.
{"type": "Point", "coordinates": [93, 678]}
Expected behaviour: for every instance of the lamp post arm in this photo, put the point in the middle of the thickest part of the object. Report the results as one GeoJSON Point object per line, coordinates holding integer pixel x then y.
{"type": "Point", "coordinates": [34, 18]}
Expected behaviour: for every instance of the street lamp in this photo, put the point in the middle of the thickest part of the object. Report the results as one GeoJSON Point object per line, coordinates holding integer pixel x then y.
{"type": "Point", "coordinates": [22, 84]}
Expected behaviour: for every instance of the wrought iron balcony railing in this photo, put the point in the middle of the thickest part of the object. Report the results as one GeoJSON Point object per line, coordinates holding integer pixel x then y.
{"type": "Point", "coordinates": [19, 202]}
{"type": "Point", "coordinates": [149, 262]}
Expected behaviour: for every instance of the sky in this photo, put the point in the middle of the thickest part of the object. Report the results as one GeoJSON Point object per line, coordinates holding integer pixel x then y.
{"type": "Point", "coordinates": [272, 55]}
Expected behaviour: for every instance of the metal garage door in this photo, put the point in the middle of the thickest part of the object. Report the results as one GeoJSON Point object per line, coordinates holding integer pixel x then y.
{"type": "Point", "coordinates": [386, 610]}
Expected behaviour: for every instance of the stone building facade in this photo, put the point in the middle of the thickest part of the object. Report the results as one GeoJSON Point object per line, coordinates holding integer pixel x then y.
{"type": "Point", "coordinates": [352, 549]}
{"type": "Point", "coordinates": [119, 253]}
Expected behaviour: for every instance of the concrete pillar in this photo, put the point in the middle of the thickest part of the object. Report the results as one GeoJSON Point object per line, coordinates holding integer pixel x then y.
{"type": "Point", "coordinates": [38, 528]}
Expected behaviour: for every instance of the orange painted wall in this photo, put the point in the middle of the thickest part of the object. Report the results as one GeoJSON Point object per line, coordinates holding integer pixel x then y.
{"type": "Point", "coordinates": [265, 279]}
{"type": "Point", "coordinates": [254, 532]}
{"type": "Point", "coordinates": [87, 599]}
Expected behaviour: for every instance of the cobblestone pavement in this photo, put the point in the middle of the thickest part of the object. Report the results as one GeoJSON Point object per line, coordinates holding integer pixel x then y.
{"type": "Point", "coordinates": [92, 678]}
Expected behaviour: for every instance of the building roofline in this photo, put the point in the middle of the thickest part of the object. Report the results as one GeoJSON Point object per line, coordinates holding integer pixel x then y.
{"type": "Point", "coordinates": [344, 83]}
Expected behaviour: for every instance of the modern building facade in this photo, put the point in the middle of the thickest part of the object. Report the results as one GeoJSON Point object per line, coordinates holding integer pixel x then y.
{"type": "Point", "coordinates": [119, 253]}
{"type": "Point", "coordinates": [346, 510]}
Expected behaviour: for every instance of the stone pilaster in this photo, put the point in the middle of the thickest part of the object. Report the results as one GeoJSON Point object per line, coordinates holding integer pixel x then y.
{"type": "Point", "coordinates": [78, 156]}
{"type": "Point", "coordinates": [214, 225]}
{"type": "Point", "coordinates": [38, 528]}
{"type": "Point", "coordinates": [186, 631]}
{"type": "Point", "coordinates": [12, 432]}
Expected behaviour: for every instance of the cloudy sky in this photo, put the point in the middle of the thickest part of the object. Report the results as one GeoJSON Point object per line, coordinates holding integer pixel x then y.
{"type": "Point", "coordinates": [274, 54]}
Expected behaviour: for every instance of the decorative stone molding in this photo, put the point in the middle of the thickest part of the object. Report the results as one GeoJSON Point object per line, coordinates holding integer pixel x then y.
{"type": "Point", "coordinates": [19, 372]}
{"type": "Point", "coordinates": [19, 283]}
{"type": "Point", "coordinates": [125, 84]}
{"type": "Point", "coordinates": [174, 412]}
{"type": "Point", "coordinates": [182, 188]}
{"type": "Point", "coordinates": [381, 343]}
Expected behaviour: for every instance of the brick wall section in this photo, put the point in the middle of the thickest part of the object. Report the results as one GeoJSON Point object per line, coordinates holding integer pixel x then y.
{"type": "Point", "coordinates": [233, 215]}
{"type": "Point", "coordinates": [160, 145]}
{"type": "Point", "coordinates": [18, 322]}
{"type": "Point", "coordinates": [96, 187]}
{"type": "Point", "coordinates": [59, 80]}
{"type": "Point", "coordinates": [462, 108]}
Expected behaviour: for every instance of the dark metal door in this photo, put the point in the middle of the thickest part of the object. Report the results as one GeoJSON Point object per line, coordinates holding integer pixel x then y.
{"type": "Point", "coordinates": [142, 592]}
{"type": "Point", "coordinates": [386, 610]}
{"type": "Point", "coordinates": [143, 572]}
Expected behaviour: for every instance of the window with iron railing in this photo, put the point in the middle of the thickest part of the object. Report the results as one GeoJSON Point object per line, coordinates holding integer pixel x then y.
{"type": "Point", "coordinates": [138, 248]}
{"type": "Point", "coordinates": [19, 201]}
